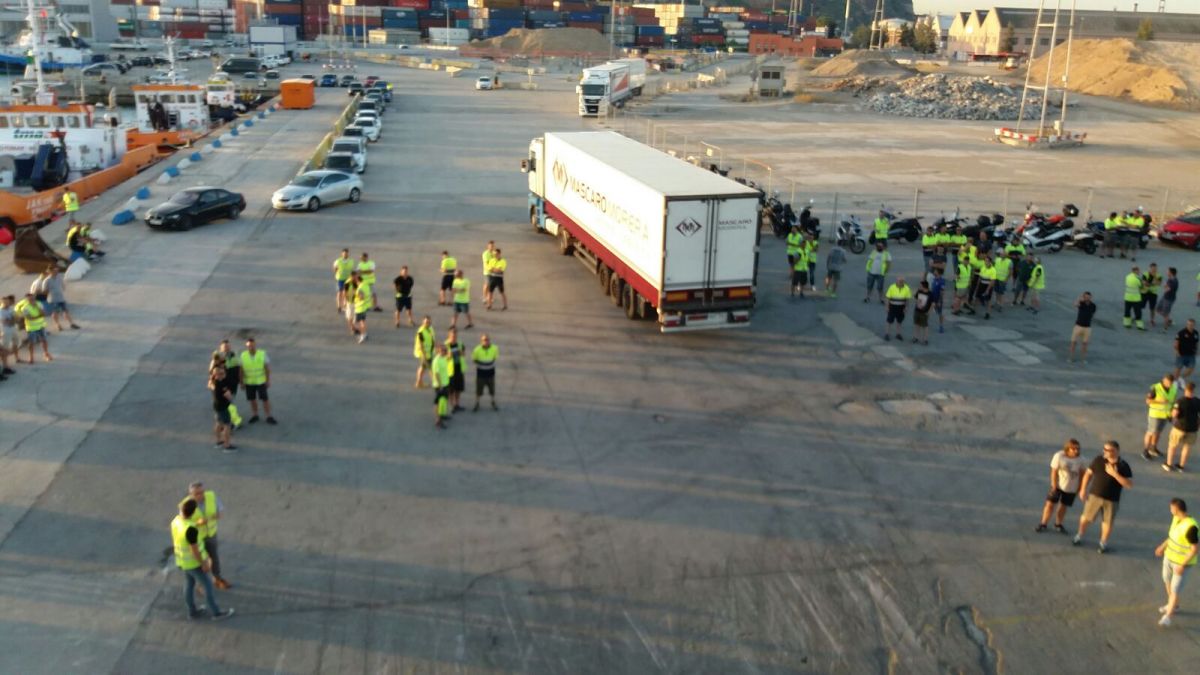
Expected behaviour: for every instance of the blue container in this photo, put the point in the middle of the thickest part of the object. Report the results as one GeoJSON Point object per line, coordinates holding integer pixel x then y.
{"type": "Point", "coordinates": [506, 14]}
{"type": "Point", "coordinates": [287, 20]}
{"type": "Point", "coordinates": [400, 23]}
{"type": "Point", "coordinates": [585, 17]}
{"type": "Point", "coordinates": [544, 15]}
{"type": "Point", "coordinates": [651, 30]}
{"type": "Point", "coordinates": [462, 23]}
{"type": "Point", "coordinates": [758, 26]}
{"type": "Point", "coordinates": [433, 14]}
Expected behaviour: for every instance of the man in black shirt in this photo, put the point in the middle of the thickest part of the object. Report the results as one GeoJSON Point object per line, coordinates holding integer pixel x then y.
{"type": "Point", "coordinates": [1186, 418]}
{"type": "Point", "coordinates": [1185, 349]}
{"type": "Point", "coordinates": [1082, 332]}
{"type": "Point", "coordinates": [1107, 476]}
{"type": "Point", "coordinates": [403, 285]}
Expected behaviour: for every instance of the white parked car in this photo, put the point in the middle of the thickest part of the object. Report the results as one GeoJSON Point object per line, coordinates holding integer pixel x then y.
{"type": "Point", "coordinates": [483, 83]}
{"type": "Point", "coordinates": [369, 128]}
{"type": "Point", "coordinates": [369, 115]}
{"type": "Point", "coordinates": [309, 191]}
{"type": "Point", "coordinates": [352, 146]}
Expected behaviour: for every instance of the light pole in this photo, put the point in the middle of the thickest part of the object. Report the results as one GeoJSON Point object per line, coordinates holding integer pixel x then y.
{"type": "Point", "coordinates": [446, 6]}
{"type": "Point", "coordinates": [612, 25]}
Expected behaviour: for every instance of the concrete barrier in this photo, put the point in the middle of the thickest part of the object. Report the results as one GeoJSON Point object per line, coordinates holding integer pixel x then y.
{"type": "Point", "coordinates": [315, 160]}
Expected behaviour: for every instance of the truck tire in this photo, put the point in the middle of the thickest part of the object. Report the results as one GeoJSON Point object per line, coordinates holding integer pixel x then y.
{"type": "Point", "coordinates": [615, 287]}
{"type": "Point", "coordinates": [631, 300]}
{"type": "Point", "coordinates": [564, 242]}
{"type": "Point", "coordinates": [533, 219]}
{"type": "Point", "coordinates": [605, 274]}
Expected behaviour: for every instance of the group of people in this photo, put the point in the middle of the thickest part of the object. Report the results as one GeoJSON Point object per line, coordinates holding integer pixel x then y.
{"type": "Point", "coordinates": [1123, 232]}
{"type": "Point", "coordinates": [227, 371]}
{"type": "Point", "coordinates": [194, 544]}
{"type": "Point", "coordinates": [25, 322]}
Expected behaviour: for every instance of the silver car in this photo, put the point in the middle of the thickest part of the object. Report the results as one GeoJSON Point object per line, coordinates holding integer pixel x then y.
{"type": "Point", "coordinates": [308, 191]}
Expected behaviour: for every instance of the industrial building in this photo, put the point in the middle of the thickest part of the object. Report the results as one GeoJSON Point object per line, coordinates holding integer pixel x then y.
{"type": "Point", "coordinates": [981, 32]}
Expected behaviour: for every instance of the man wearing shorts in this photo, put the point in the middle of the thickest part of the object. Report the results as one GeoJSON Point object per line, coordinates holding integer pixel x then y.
{"type": "Point", "coordinates": [484, 355]}
{"type": "Point", "coordinates": [1179, 552]}
{"type": "Point", "coordinates": [1103, 482]}
{"type": "Point", "coordinates": [1159, 401]}
{"type": "Point", "coordinates": [1085, 309]}
{"type": "Point", "coordinates": [1066, 470]}
{"type": "Point", "coordinates": [439, 374]}
{"type": "Point", "coordinates": [937, 289]}
{"type": "Point", "coordinates": [56, 294]}
{"type": "Point", "coordinates": [799, 271]}
{"type": "Point", "coordinates": [34, 315]}
{"type": "Point", "coordinates": [898, 295]}
{"type": "Point", "coordinates": [488, 254]}
{"type": "Point", "coordinates": [1185, 416]}
{"type": "Point", "coordinates": [449, 266]}
{"type": "Point", "coordinates": [877, 267]}
{"type": "Point", "coordinates": [834, 263]}
{"type": "Point", "coordinates": [423, 342]}
{"type": "Point", "coordinates": [1167, 301]}
{"type": "Point", "coordinates": [495, 281]}
{"type": "Point", "coordinates": [403, 285]}
{"type": "Point", "coordinates": [342, 267]}
{"type": "Point", "coordinates": [1185, 349]}
{"type": "Point", "coordinates": [256, 380]}
{"type": "Point", "coordinates": [962, 288]}
{"type": "Point", "coordinates": [461, 286]}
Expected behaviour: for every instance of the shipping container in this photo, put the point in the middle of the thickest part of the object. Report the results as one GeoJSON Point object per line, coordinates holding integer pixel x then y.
{"type": "Point", "coordinates": [413, 4]}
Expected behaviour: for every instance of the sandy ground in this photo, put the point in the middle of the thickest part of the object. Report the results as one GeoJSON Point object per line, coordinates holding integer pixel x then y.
{"type": "Point", "coordinates": [799, 496]}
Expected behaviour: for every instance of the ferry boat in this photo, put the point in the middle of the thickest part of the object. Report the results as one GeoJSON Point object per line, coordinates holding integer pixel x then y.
{"type": "Point", "coordinates": [51, 36]}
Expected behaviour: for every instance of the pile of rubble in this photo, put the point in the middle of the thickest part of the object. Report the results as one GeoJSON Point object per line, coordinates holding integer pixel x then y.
{"type": "Point", "coordinates": [941, 96]}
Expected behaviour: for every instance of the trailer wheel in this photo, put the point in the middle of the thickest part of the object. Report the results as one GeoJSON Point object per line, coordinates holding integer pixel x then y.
{"type": "Point", "coordinates": [564, 242]}
{"type": "Point", "coordinates": [605, 274]}
{"type": "Point", "coordinates": [614, 289]}
{"type": "Point", "coordinates": [631, 302]}
{"type": "Point", "coordinates": [533, 219]}
{"type": "Point", "coordinates": [645, 309]}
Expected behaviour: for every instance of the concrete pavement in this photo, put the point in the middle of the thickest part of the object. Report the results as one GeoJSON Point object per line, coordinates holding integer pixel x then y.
{"type": "Point", "coordinates": [736, 501]}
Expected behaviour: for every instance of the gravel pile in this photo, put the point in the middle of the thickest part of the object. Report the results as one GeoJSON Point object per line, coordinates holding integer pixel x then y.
{"type": "Point", "coordinates": [941, 96]}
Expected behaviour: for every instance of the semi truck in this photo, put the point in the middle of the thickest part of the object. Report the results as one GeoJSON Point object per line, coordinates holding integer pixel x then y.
{"type": "Point", "coordinates": [637, 73]}
{"type": "Point", "coordinates": [667, 239]}
{"type": "Point", "coordinates": [603, 87]}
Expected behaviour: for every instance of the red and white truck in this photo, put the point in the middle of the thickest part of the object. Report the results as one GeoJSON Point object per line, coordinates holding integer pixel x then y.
{"type": "Point", "coordinates": [668, 239]}
{"type": "Point", "coordinates": [603, 87]}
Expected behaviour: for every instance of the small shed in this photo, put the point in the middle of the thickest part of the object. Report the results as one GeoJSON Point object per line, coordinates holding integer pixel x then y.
{"type": "Point", "coordinates": [770, 80]}
{"type": "Point", "coordinates": [298, 94]}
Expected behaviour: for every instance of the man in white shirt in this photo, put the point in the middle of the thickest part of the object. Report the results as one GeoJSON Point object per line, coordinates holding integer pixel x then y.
{"type": "Point", "coordinates": [1066, 470]}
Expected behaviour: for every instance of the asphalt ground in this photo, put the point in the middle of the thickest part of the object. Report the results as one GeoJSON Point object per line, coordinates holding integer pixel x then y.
{"type": "Point", "coordinates": [732, 501]}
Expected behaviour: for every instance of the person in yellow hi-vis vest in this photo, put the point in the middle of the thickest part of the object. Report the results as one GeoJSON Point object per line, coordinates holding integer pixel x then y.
{"type": "Point", "coordinates": [439, 374]}
{"type": "Point", "coordinates": [462, 298]}
{"type": "Point", "coordinates": [1159, 402]}
{"type": "Point", "coordinates": [208, 515]}
{"type": "Point", "coordinates": [1133, 299]}
{"type": "Point", "coordinates": [448, 267]}
{"type": "Point", "coordinates": [256, 379]}
{"type": "Point", "coordinates": [70, 200]}
{"type": "Point", "coordinates": [34, 314]}
{"type": "Point", "coordinates": [366, 271]}
{"type": "Point", "coordinates": [191, 557]}
{"type": "Point", "coordinates": [488, 254]}
{"type": "Point", "coordinates": [343, 265]}
{"type": "Point", "coordinates": [495, 282]}
{"type": "Point", "coordinates": [1179, 552]}
{"type": "Point", "coordinates": [423, 352]}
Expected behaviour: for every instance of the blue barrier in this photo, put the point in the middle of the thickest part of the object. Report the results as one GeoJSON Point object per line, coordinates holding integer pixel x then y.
{"type": "Point", "coordinates": [143, 193]}
{"type": "Point", "coordinates": [195, 157]}
{"type": "Point", "coordinates": [123, 217]}
{"type": "Point", "coordinates": [172, 172]}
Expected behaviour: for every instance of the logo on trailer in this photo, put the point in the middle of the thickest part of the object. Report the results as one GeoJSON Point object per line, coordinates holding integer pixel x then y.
{"type": "Point", "coordinates": [688, 226]}
{"type": "Point", "coordinates": [560, 175]}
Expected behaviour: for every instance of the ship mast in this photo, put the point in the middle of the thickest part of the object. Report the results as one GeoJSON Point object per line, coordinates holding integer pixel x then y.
{"type": "Point", "coordinates": [35, 49]}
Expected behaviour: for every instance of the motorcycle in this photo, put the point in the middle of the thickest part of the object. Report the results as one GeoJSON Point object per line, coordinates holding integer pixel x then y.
{"type": "Point", "coordinates": [849, 234]}
{"type": "Point", "coordinates": [984, 224]}
{"type": "Point", "coordinates": [807, 222]}
{"type": "Point", "coordinates": [780, 216]}
{"type": "Point", "coordinates": [1047, 236]}
{"type": "Point", "coordinates": [908, 229]}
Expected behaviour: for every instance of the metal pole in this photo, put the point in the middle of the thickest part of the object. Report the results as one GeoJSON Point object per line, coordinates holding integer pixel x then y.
{"type": "Point", "coordinates": [1005, 210]}
{"type": "Point", "coordinates": [834, 220]}
{"type": "Point", "coordinates": [916, 202]}
{"type": "Point", "coordinates": [792, 199]}
{"type": "Point", "coordinates": [1088, 210]}
{"type": "Point", "coordinates": [1166, 196]}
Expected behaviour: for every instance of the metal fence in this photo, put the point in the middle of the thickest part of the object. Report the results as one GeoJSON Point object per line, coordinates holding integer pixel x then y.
{"type": "Point", "coordinates": [970, 199]}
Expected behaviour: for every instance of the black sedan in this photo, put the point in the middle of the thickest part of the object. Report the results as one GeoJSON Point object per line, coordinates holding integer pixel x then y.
{"type": "Point", "coordinates": [195, 206]}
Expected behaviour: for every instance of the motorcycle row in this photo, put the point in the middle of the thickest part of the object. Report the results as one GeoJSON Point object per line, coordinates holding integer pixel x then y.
{"type": "Point", "coordinates": [1038, 231]}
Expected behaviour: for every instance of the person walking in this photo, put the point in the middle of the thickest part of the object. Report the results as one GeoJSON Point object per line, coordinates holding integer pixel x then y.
{"type": "Point", "coordinates": [439, 374]}
{"type": "Point", "coordinates": [834, 263]}
{"type": "Point", "coordinates": [1103, 482]}
{"type": "Point", "coordinates": [1179, 552]}
{"type": "Point", "coordinates": [462, 299]}
{"type": "Point", "coordinates": [423, 342]}
{"type": "Point", "coordinates": [800, 272]}
{"type": "Point", "coordinates": [877, 267]}
{"type": "Point", "coordinates": [812, 249]}
{"type": "Point", "coordinates": [484, 355]}
{"type": "Point", "coordinates": [1066, 471]}
{"type": "Point", "coordinates": [922, 303]}
{"type": "Point", "coordinates": [70, 202]}
{"type": "Point", "coordinates": [348, 292]}
{"type": "Point", "coordinates": [342, 267]}
{"type": "Point", "coordinates": [1085, 309]}
{"type": "Point", "coordinates": [34, 315]}
{"type": "Point", "coordinates": [937, 291]}
{"type": "Point", "coordinates": [403, 285]}
{"type": "Point", "coordinates": [495, 281]}
{"type": "Point", "coordinates": [209, 510]}
{"type": "Point", "coordinates": [898, 295]}
{"type": "Point", "coordinates": [10, 339]}
{"type": "Point", "coordinates": [56, 294]}
{"type": "Point", "coordinates": [222, 398]}
{"type": "Point", "coordinates": [225, 356]}
{"type": "Point", "coordinates": [448, 267]}
{"type": "Point", "coordinates": [1159, 401]}
{"type": "Point", "coordinates": [795, 239]}
{"type": "Point", "coordinates": [1185, 349]}
{"type": "Point", "coordinates": [1185, 419]}
{"type": "Point", "coordinates": [366, 273]}
{"type": "Point", "coordinates": [1167, 301]}
{"type": "Point", "coordinates": [1151, 285]}
{"type": "Point", "coordinates": [364, 296]}
{"type": "Point", "coordinates": [256, 380]}
{"type": "Point", "coordinates": [488, 254]}
{"type": "Point", "coordinates": [1133, 298]}
{"type": "Point", "coordinates": [458, 370]}
{"type": "Point", "coordinates": [192, 558]}
{"type": "Point", "coordinates": [1022, 272]}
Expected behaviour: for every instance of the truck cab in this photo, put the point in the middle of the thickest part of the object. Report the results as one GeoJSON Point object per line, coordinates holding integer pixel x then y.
{"type": "Point", "coordinates": [603, 87]}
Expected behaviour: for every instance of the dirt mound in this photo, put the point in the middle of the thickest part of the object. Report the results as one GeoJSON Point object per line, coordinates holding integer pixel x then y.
{"type": "Point", "coordinates": [860, 62]}
{"type": "Point", "coordinates": [532, 41]}
{"type": "Point", "coordinates": [1120, 68]}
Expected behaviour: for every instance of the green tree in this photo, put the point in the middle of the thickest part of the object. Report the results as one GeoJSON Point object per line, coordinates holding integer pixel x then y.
{"type": "Point", "coordinates": [1008, 39]}
{"type": "Point", "coordinates": [1145, 30]}
{"type": "Point", "coordinates": [925, 39]}
{"type": "Point", "coordinates": [861, 37]}
{"type": "Point", "coordinates": [907, 36]}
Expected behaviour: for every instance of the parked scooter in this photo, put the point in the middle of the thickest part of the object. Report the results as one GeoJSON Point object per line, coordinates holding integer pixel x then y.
{"type": "Point", "coordinates": [908, 229]}
{"type": "Point", "coordinates": [1047, 236]}
{"type": "Point", "coordinates": [984, 223]}
{"type": "Point", "coordinates": [849, 235]}
{"type": "Point", "coordinates": [1086, 239]}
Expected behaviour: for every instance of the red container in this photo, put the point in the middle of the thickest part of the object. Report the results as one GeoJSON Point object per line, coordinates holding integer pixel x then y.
{"type": "Point", "coordinates": [281, 10]}
{"type": "Point", "coordinates": [460, 13]}
{"type": "Point", "coordinates": [574, 7]}
{"type": "Point", "coordinates": [411, 4]}
{"type": "Point", "coordinates": [586, 24]}
{"type": "Point", "coordinates": [650, 41]}
{"type": "Point", "coordinates": [753, 16]}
